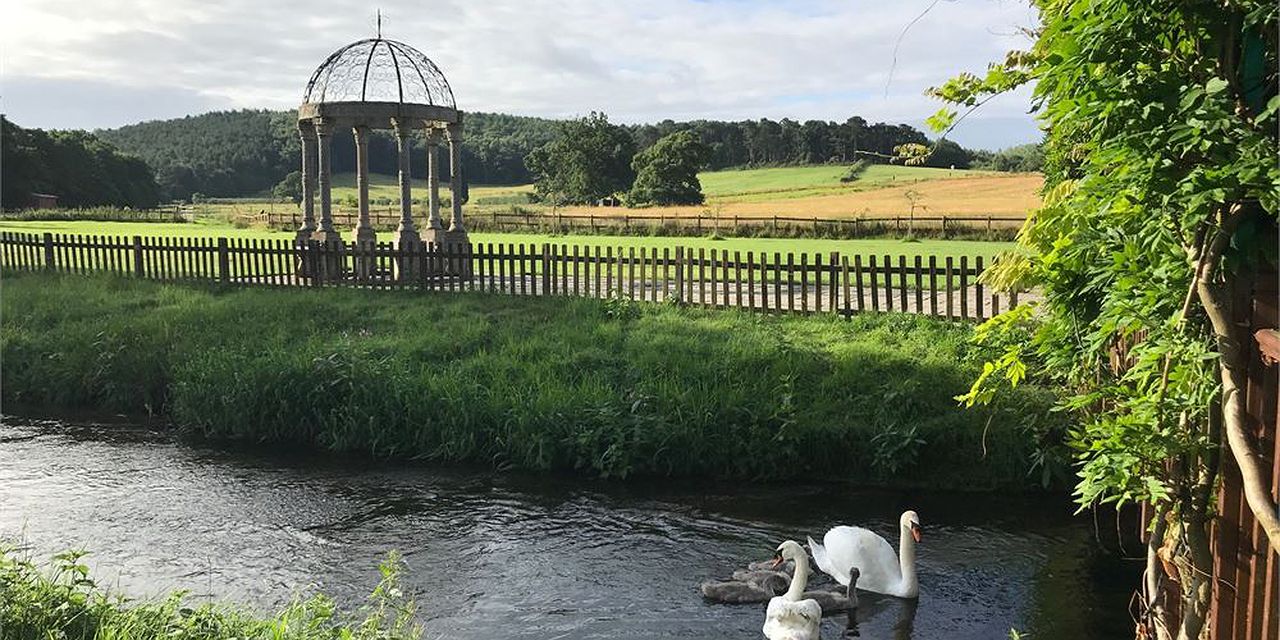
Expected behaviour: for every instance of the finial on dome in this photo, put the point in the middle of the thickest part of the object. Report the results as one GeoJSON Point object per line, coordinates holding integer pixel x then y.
{"type": "Point", "coordinates": [379, 24]}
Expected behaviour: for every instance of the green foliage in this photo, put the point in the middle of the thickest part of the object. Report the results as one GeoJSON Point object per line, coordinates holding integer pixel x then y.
{"type": "Point", "coordinates": [78, 167]}
{"type": "Point", "coordinates": [1020, 158]}
{"type": "Point", "coordinates": [290, 188]}
{"type": "Point", "coordinates": [667, 172]}
{"type": "Point", "coordinates": [63, 601]}
{"type": "Point", "coordinates": [1155, 140]}
{"type": "Point", "coordinates": [608, 388]}
{"type": "Point", "coordinates": [589, 160]}
{"type": "Point", "coordinates": [855, 171]}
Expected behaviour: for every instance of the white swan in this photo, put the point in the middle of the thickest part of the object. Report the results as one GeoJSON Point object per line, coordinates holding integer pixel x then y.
{"type": "Point", "coordinates": [881, 570]}
{"type": "Point", "coordinates": [788, 617]}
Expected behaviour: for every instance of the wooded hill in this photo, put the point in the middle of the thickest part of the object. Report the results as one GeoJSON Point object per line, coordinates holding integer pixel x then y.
{"type": "Point", "coordinates": [243, 153]}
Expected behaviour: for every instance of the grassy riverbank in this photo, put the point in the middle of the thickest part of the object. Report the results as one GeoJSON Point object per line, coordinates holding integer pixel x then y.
{"type": "Point", "coordinates": [61, 600]}
{"type": "Point", "coordinates": [608, 388]}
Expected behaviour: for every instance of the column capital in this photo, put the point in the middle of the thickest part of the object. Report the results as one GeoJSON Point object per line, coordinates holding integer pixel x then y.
{"type": "Point", "coordinates": [453, 131]}
{"type": "Point", "coordinates": [324, 127]}
{"type": "Point", "coordinates": [306, 129]}
{"type": "Point", "coordinates": [361, 133]}
{"type": "Point", "coordinates": [433, 135]}
{"type": "Point", "coordinates": [403, 128]}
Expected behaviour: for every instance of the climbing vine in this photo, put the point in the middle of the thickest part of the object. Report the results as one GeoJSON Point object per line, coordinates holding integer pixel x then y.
{"type": "Point", "coordinates": [1160, 205]}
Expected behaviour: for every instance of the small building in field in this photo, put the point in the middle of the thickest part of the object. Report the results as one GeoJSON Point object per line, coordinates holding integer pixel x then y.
{"type": "Point", "coordinates": [44, 201]}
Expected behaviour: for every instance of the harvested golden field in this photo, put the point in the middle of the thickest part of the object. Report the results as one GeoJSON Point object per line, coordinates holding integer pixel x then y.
{"type": "Point", "coordinates": [969, 196]}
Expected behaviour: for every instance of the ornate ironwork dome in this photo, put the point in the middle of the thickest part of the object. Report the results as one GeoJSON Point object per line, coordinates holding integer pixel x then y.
{"type": "Point", "coordinates": [379, 70]}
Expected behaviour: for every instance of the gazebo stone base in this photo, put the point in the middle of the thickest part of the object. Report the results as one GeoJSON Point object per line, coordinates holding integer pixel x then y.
{"type": "Point", "coordinates": [330, 266]}
{"type": "Point", "coordinates": [365, 264]}
{"type": "Point", "coordinates": [406, 267]}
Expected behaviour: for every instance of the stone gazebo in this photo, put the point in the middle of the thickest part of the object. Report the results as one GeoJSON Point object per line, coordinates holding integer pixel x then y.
{"type": "Point", "coordinates": [378, 83]}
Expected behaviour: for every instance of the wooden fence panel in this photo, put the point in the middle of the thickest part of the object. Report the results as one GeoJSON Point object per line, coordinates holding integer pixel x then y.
{"type": "Point", "coordinates": [715, 278]}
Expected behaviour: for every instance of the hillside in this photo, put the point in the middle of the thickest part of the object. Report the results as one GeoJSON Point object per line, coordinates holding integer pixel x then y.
{"type": "Point", "coordinates": [243, 153]}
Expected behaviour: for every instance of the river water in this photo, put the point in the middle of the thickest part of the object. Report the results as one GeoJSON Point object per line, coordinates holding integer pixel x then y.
{"type": "Point", "coordinates": [507, 555]}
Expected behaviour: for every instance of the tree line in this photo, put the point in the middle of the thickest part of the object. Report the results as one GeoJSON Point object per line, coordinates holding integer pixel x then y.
{"type": "Point", "coordinates": [77, 166]}
{"type": "Point", "coordinates": [242, 153]}
{"type": "Point", "coordinates": [248, 152]}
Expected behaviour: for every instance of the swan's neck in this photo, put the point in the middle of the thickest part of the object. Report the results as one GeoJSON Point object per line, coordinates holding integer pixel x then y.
{"type": "Point", "coordinates": [799, 580]}
{"type": "Point", "coordinates": [907, 561]}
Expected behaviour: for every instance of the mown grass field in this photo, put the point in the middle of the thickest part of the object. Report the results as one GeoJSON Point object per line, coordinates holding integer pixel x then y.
{"type": "Point", "coordinates": [601, 387]}
{"type": "Point", "coordinates": [213, 228]}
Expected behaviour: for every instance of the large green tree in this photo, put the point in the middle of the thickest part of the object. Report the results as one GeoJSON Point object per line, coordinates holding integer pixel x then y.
{"type": "Point", "coordinates": [589, 159]}
{"type": "Point", "coordinates": [1160, 213]}
{"type": "Point", "coordinates": [667, 172]}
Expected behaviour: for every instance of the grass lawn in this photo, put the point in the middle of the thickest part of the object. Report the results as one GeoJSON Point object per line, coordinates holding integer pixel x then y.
{"type": "Point", "coordinates": [866, 246]}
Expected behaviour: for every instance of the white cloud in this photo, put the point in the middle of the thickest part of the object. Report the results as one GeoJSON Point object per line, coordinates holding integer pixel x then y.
{"type": "Point", "coordinates": [638, 60]}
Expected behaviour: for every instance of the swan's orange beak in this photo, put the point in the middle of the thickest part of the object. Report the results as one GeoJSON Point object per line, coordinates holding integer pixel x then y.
{"type": "Point", "coordinates": [915, 532]}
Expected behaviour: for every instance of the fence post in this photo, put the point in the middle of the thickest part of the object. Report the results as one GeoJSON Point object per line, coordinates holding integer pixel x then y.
{"type": "Point", "coordinates": [680, 275]}
{"type": "Point", "coordinates": [546, 269]}
{"type": "Point", "coordinates": [137, 257]}
{"type": "Point", "coordinates": [224, 261]}
{"type": "Point", "coordinates": [48, 251]}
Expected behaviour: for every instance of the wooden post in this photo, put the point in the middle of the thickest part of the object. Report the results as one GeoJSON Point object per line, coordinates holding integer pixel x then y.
{"type": "Point", "coordinates": [919, 286]}
{"type": "Point", "coordinates": [833, 282]}
{"type": "Point", "coordinates": [902, 283]}
{"type": "Point", "coordinates": [933, 285]}
{"type": "Point", "coordinates": [978, 313]}
{"type": "Point", "coordinates": [804, 282]}
{"type": "Point", "coordinates": [224, 262]}
{"type": "Point", "coordinates": [857, 280]}
{"type": "Point", "coordinates": [139, 265]}
{"type": "Point", "coordinates": [950, 308]}
{"type": "Point", "coordinates": [844, 280]}
{"type": "Point", "coordinates": [964, 287]}
{"type": "Point", "coordinates": [546, 269]}
{"type": "Point", "coordinates": [875, 285]}
{"type": "Point", "coordinates": [680, 275]}
{"type": "Point", "coordinates": [48, 251]}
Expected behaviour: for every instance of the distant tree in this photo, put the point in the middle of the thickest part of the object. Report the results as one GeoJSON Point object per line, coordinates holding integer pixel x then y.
{"type": "Point", "coordinates": [1025, 157]}
{"type": "Point", "coordinates": [949, 154]}
{"type": "Point", "coordinates": [290, 188]}
{"type": "Point", "coordinates": [667, 172]}
{"type": "Point", "coordinates": [590, 159]}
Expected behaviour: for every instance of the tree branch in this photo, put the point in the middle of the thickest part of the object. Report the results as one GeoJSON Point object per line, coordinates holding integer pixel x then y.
{"type": "Point", "coordinates": [1215, 298]}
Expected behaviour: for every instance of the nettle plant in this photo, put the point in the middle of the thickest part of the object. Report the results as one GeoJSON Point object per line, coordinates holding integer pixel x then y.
{"type": "Point", "coordinates": [1160, 205]}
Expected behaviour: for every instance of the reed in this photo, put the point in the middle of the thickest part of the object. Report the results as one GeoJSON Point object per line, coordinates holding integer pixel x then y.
{"type": "Point", "coordinates": [612, 388]}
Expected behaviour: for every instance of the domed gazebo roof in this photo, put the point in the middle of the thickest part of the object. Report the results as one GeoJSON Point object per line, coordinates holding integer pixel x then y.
{"type": "Point", "coordinates": [379, 70]}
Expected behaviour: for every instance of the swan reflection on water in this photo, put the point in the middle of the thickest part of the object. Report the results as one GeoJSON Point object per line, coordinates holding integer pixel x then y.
{"type": "Point", "coordinates": [872, 606]}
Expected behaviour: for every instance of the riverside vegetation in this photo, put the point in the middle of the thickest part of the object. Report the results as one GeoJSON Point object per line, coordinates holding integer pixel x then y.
{"type": "Point", "coordinates": [609, 388]}
{"type": "Point", "coordinates": [62, 600]}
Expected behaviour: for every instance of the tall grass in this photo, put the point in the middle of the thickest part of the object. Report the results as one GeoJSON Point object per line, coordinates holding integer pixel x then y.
{"type": "Point", "coordinates": [61, 600]}
{"type": "Point", "coordinates": [610, 388]}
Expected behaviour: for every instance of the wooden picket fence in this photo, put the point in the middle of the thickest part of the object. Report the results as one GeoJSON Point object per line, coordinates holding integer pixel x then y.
{"type": "Point", "coordinates": [626, 222]}
{"type": "Point", "coordinates": [800, 283]}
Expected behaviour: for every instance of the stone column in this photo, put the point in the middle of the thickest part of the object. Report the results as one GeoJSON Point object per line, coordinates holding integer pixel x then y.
{"type": "Point", "coordinates": [324, 136]}
{"type": "Point", "coordinates": [454, 131]}
{"type": "Point", "coordinates": [406, 238]}
{"type": "Point", "coordinates": [406, 229]}
{"type": "Point", "coordinates": [433, 178]}
{"type": "Point", "coordinates": [307, 133]}
{"type": "Point", "coordinates": [364, 230]}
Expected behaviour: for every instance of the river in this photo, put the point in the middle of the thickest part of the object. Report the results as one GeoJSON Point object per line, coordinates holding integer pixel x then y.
{"type": "Point", "coordinates": [516, 555]}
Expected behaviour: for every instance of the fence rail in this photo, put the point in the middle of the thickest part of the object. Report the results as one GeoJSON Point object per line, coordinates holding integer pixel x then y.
{"type": "Point", "coordinates": [630, 223]}
{"type": "Point", "coordinates": [767, 282]}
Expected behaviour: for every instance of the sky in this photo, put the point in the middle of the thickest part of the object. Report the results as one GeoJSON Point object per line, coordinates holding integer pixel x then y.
{"type": "Point", "coordinates": [74, 64]}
